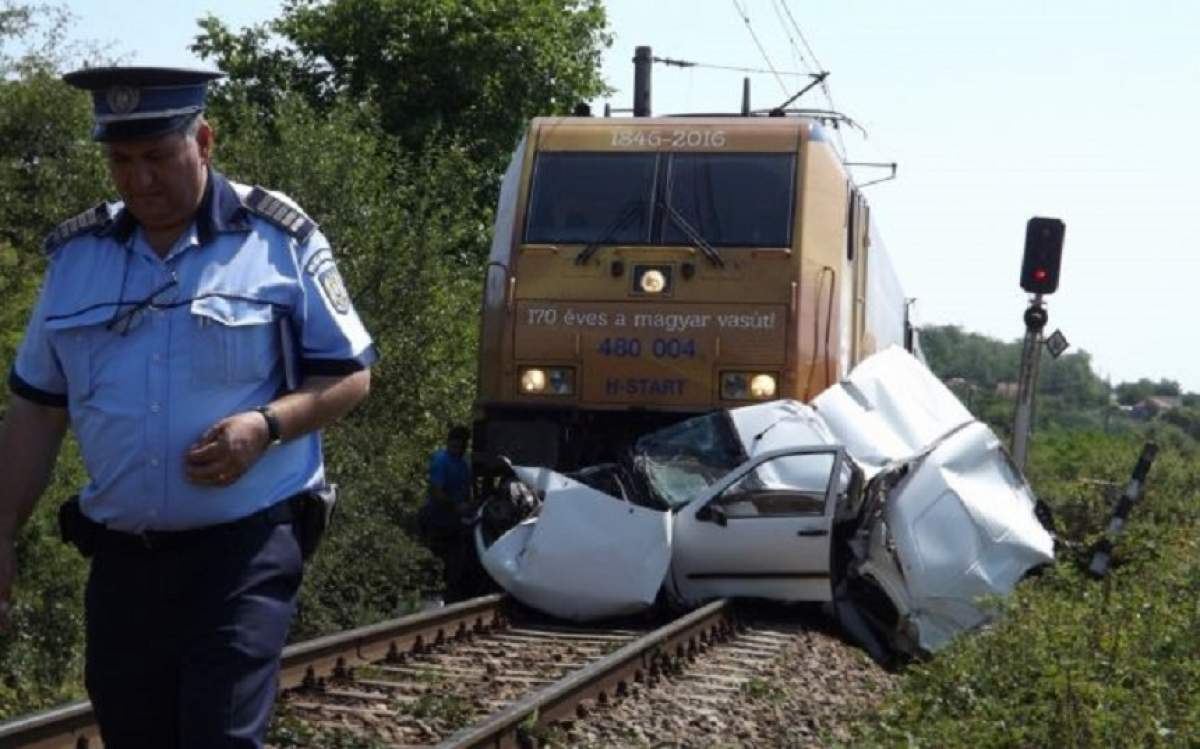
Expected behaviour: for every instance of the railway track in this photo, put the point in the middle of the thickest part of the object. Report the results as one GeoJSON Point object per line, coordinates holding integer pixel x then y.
{"type": "Point", "coordinates": [467, 675]}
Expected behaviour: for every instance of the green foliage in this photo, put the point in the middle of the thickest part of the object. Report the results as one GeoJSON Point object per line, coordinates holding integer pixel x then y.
{"type": "Point", "coordinates": [471, 70]}
{"type": "Point", "coordinates": [41, 653]}
{"type": "Point", "coordinates": [1070, 395]}
{"type": "Point", "coordinates": [1129, 393]}
{"type": "Point", "coordinates": [1074, 662]}
{"type": "Point", "coordinates": [1186, 418]}
{"type": "Point", "coordinates": [985, 363]}
{"type": "Point", "coordinates": [49, 170]}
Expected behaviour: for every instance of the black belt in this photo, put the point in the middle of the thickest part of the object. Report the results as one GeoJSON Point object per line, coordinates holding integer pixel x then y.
{"type": "Point", "coordinates": [111, 540]}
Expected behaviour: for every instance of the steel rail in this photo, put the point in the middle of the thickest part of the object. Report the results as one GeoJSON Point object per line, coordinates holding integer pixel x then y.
{"type": "Point", "coordinates": [640, 659]}
{"type": "Point", "coordinates": [73, 726]}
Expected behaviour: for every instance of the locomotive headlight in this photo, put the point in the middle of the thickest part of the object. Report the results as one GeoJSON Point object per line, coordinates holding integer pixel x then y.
{"type": "Point", "coordinates": [740, 386]}
{"type": "Point", "coordinates": [653, 281]}
{"type": "Point", "coordinates": [548, 381]}
{"type": "Point", "coordinates": [533, 381]}
{"type": "Point", "coordinates": [762, 386]}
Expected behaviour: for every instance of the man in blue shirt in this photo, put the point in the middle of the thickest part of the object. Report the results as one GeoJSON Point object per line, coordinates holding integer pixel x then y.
{"type": "Point", "coordinates": [195, 336]}
{"type": "Point", "coordinates": [447, 505]}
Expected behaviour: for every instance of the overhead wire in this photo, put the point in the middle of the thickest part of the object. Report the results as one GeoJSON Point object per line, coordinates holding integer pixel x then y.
{"type": "Point", "coordinates": [800, 33]}
{"type": "Point", "coordinates": [691, 64]}
{"type": "Point", "coordinates": [762, 50]}
{"type": "Point", "coordinates": [813, 55]}
{"type": "Point", "coordinates": [791, 40]}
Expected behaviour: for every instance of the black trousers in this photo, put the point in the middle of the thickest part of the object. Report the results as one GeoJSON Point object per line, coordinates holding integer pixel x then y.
{"type": "Point", "coordinates": [183, 643]}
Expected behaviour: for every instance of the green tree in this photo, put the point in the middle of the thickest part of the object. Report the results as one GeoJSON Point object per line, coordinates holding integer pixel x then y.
{"type": "Point", "coordinates": [1129, 393]}
{"type": "Point", "coordinates": [472, 70]}
{"type": "Point", "coordinates": [980, 360]}
{"type": "Point", "coordinates": [1070, 394]}
{"type": "Point", "coordinates": [49, 170]}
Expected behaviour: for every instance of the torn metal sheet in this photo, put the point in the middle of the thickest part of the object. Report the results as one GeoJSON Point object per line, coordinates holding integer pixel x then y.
{"type": "Point", "coordinates": [586, 555]}
{"type": "Point", "coordinates": [889, 408]}
{"type": "Point", "coordinates": [960, 526]}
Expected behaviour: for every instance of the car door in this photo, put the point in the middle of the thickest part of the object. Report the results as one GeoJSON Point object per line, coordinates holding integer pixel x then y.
{"type": "Point", "coordinates": [763, 531]}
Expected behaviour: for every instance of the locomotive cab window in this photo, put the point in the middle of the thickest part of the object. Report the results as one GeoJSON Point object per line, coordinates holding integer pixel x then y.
{"type": "Point", "coordinates": [740, 199]}
{"type": "Point", "coordinates": [591, 197]}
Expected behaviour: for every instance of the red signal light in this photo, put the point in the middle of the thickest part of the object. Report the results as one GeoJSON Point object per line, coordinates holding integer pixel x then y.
{"type": "Point", "coordinates": [1043, 255]}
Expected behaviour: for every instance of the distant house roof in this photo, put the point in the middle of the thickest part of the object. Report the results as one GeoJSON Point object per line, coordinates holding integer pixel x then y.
{"type": "Point", "coordinates": [1150, 407]}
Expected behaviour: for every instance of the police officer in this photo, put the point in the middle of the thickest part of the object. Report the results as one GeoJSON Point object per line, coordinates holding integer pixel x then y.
{"type": "Point", "coordinates": [196, 336]}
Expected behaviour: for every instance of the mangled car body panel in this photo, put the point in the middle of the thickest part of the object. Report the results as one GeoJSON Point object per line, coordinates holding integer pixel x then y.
{"type": "Point", "coordinates": [960, 524]}
{"type": "Point", "coordinates": [961, 527]}
{"type": "Point", "coordinates": [886, 473]}
{"type": "Point", "coordinates": [890, 408]}
{"type": "Point", "coordinates": [585, 556]}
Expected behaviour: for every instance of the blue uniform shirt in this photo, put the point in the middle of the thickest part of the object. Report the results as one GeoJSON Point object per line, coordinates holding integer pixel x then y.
{"type": "Point", "coordinates": [452, 474]}
{"type": "Point", "coordinates": [147, 353]}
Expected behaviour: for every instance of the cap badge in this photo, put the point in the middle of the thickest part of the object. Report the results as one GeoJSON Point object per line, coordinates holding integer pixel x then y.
{"type": "Point", "coordinates": [123, 99]}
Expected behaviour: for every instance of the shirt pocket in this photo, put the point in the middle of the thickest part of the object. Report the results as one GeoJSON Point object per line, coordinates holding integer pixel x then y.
{"type": "Point", "coordinates": [75, 339]}
{"type": "Point", "coordinates": [236, 341]}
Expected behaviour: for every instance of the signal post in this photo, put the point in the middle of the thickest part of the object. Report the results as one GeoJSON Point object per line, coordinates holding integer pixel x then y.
{"type": "Point", "coordinates": [1039, 276]}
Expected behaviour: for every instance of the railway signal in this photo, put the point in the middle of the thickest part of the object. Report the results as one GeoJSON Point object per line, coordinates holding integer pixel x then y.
{"type": "Point", "coordinates": [1043, 255]}
{"type": "Point", "coordinates": [1039, 276]}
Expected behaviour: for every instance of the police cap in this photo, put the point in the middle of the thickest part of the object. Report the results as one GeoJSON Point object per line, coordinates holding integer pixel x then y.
{"type": "Point", "coordinates": [138, 102]}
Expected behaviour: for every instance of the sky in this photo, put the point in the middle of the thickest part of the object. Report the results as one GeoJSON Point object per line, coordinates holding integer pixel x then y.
{"type": "Point", "coordinates": [996, 112]}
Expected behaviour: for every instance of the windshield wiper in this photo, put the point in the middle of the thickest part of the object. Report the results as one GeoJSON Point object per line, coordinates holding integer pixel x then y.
{"type": "Point", "coordinates": [619, 222]}
{"type": "Point", "coordinates": [692, 234]}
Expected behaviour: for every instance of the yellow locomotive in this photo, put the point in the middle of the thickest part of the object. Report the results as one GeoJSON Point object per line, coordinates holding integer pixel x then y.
{"type": "Point", "coordinates": [647, 269]}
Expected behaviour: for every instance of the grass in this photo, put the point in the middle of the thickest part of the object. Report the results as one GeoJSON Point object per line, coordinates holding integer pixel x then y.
{"type": "Point", "coordinates": [761, 690]}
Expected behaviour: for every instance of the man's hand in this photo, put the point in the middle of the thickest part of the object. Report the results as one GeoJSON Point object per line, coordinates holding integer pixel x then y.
{"type": "Point", "coordinates": [227, 450]}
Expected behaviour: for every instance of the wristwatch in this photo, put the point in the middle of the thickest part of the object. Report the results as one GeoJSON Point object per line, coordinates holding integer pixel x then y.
{"type": "Point", "coordinates": [273, 434]}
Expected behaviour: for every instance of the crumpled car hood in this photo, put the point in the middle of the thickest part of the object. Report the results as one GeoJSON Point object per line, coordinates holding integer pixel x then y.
{"type": "Point", "coordinates": [587, 555]}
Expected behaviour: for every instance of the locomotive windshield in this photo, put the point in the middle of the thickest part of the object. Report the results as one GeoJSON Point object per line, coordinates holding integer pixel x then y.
{"type": "Point", "coordinates": [732, 199]}
{"type": "Point", "coordinates": [591, 197]}
{"type": "Point", "coordinates": [742, 199]}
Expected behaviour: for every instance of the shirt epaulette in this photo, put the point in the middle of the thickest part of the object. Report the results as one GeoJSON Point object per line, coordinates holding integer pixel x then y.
{"type": "Point", "coordinates": [285, 216]}
{"type": "Point", "coordinates": [90, 220]}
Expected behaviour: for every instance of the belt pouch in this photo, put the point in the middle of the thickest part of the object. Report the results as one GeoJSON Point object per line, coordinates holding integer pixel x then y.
{"type": "Point", "coordinates": [313, 512]}
{"type": "Point", "coordinates": [76, 528]}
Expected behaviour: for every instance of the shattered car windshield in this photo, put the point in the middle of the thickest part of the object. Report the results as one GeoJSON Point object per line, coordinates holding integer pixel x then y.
{"type": "Point", "coordinates": [681, 461]}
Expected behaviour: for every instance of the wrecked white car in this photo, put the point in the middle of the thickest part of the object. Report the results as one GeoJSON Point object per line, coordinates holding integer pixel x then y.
{"type": "Point", "coordinates": [884, 498]}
